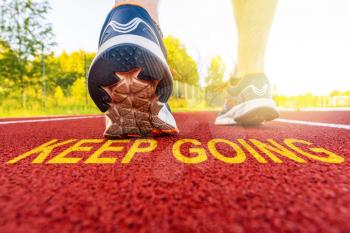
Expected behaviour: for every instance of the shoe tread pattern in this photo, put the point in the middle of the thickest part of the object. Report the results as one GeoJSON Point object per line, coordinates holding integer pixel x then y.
{"type": "Point", "coordinates": [134, 108]}
{"type": "Point", "coordinates": [123, 58]}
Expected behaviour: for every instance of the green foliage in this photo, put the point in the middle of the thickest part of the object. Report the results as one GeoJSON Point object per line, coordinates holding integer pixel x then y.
{"type": "Point", "coordinates": [178, 104]}
{"type": "Point", "coordinates": [24, 28]}
{"type": "Point", "coordinates": [216, 72]}
{"type": "Point", "coordinates": [65, 82]}
{"type": "Point", "coordinates": [25, 24]}
{"type": "Point", "coordinates": [58, 96]}
{"type": "Point", "coordinates": [215, 85]}
{"type": "Point", "coordinates": [8, 61]}
{"type": "Point", "coordinates": [64, 69]}
{"type": "Point", "coordinates": [312, 101]}
{"type": "Point", "coordinates": [182, 65]}
{"type": "Point", "coordinates": [183, 105]}
{"type": "Point", "coordinates": [340, 93]}
{"type": "Point", "coordinates": [78, 90]}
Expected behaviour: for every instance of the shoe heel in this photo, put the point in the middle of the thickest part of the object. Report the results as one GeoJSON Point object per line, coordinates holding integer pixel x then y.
{"type": "Point", "coordinates": [134, 108]}
{"type": "Point", "coordinates": [125, 58]}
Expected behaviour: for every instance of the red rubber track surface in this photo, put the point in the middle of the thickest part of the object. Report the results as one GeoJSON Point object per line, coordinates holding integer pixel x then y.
{"type": "Point", "coordinates": [338, 117]}
{"type": "Point", "coordinates": [156, 193]}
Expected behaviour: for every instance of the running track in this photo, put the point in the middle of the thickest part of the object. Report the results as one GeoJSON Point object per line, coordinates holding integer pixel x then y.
{"type": "Point", "coordinates": [157, 193]}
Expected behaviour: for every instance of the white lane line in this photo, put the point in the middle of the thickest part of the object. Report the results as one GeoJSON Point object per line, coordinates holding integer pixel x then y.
{"type": "Point", "coordinates": [310, 123]}
{"type": "Point", "coordinates": [343, 109]}
{"type": "Point", "coordinates": [337, 126]}
{"type": "Point", "coordinates": [48, 120]}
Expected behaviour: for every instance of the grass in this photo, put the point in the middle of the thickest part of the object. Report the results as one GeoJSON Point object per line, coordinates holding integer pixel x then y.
{"type": "Point", "coordinates": [35, 110]}
{"type": "Point", "coordinates": [60, 111]}
{"type": "Point", "coordinates": [49, 112]}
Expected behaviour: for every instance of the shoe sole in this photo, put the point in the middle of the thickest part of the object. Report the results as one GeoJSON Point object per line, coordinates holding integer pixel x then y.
{"type": "Point", "coordinates": [131, 103]}
{"type": "Point", "coordinates": [134, 108]}
{"type": "Point", "coordinates": [256, 112]}
{"type": "Point", "coordinates": [250, 113]}
{"type": "Point", "coordinates": [119, 56]}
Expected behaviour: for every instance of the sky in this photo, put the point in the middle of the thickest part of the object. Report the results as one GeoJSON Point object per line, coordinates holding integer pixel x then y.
{"type": "Point", "coordinates": [308, 49]}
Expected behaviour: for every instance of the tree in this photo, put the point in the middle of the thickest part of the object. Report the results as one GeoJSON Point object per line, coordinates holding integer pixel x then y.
{"type": "Point", "coordinates": [58, 96]}
{"type": "Point", "coordinates": [215, 85]}
{"type": "Point", "coordinates": [24, 27]}
{"type": "Point", "coordinates": [8, 60]}
{"type": "Point", "coordinates": [78, 90]}
{"type": "Point", "coordinates": [339, 93]}
{"type": "Point", "coordinates": [216, 72]}
{"type": "Point", "coordinates": [64, 69]}
{"type": "Point", "coordinates": [182, 65]}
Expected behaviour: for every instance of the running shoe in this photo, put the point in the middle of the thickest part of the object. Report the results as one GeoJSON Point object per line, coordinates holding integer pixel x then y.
{"type": "Point", "coordinates": [129, 79]}
{"type": "Point", "coordinates": [249, 102]}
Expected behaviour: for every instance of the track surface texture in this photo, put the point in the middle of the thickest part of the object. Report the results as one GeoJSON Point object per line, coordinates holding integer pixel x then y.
{"type": "Point", "coordinates": [155, 192]}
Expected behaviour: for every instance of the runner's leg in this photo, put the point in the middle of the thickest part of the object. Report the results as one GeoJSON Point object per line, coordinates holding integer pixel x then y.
{"type": "Point", "coordinates": [249, 100]}
{"type": "Point", "coordinates": [254, 19]}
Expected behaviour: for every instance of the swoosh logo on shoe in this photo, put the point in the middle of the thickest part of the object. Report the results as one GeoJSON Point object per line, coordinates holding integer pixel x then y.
{"type": "Point", "coordinates": [128, 27]}
{"type": "Point", "coordinates": [257, 91]}
{"type": "Point", "coordinates": [260, 92]}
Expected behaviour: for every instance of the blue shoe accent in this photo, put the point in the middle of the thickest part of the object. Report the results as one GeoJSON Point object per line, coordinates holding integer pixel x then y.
{"type": "Point", "coordinates": [129, 39]}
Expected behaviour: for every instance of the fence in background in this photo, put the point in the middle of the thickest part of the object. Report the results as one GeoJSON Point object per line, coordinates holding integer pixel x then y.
{"type": "Point", "coordinates": [187, 91]}
{"type": "Point", "coordinates": [196, 94]}
{"type": "Point", "coordinates": [313, 101]}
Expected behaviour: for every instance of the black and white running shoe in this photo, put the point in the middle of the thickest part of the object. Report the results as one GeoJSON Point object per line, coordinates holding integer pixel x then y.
{"type": "Point", "coordinates": [129, 78]}
{"type": "Point", "coordinates": [249, 102]}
